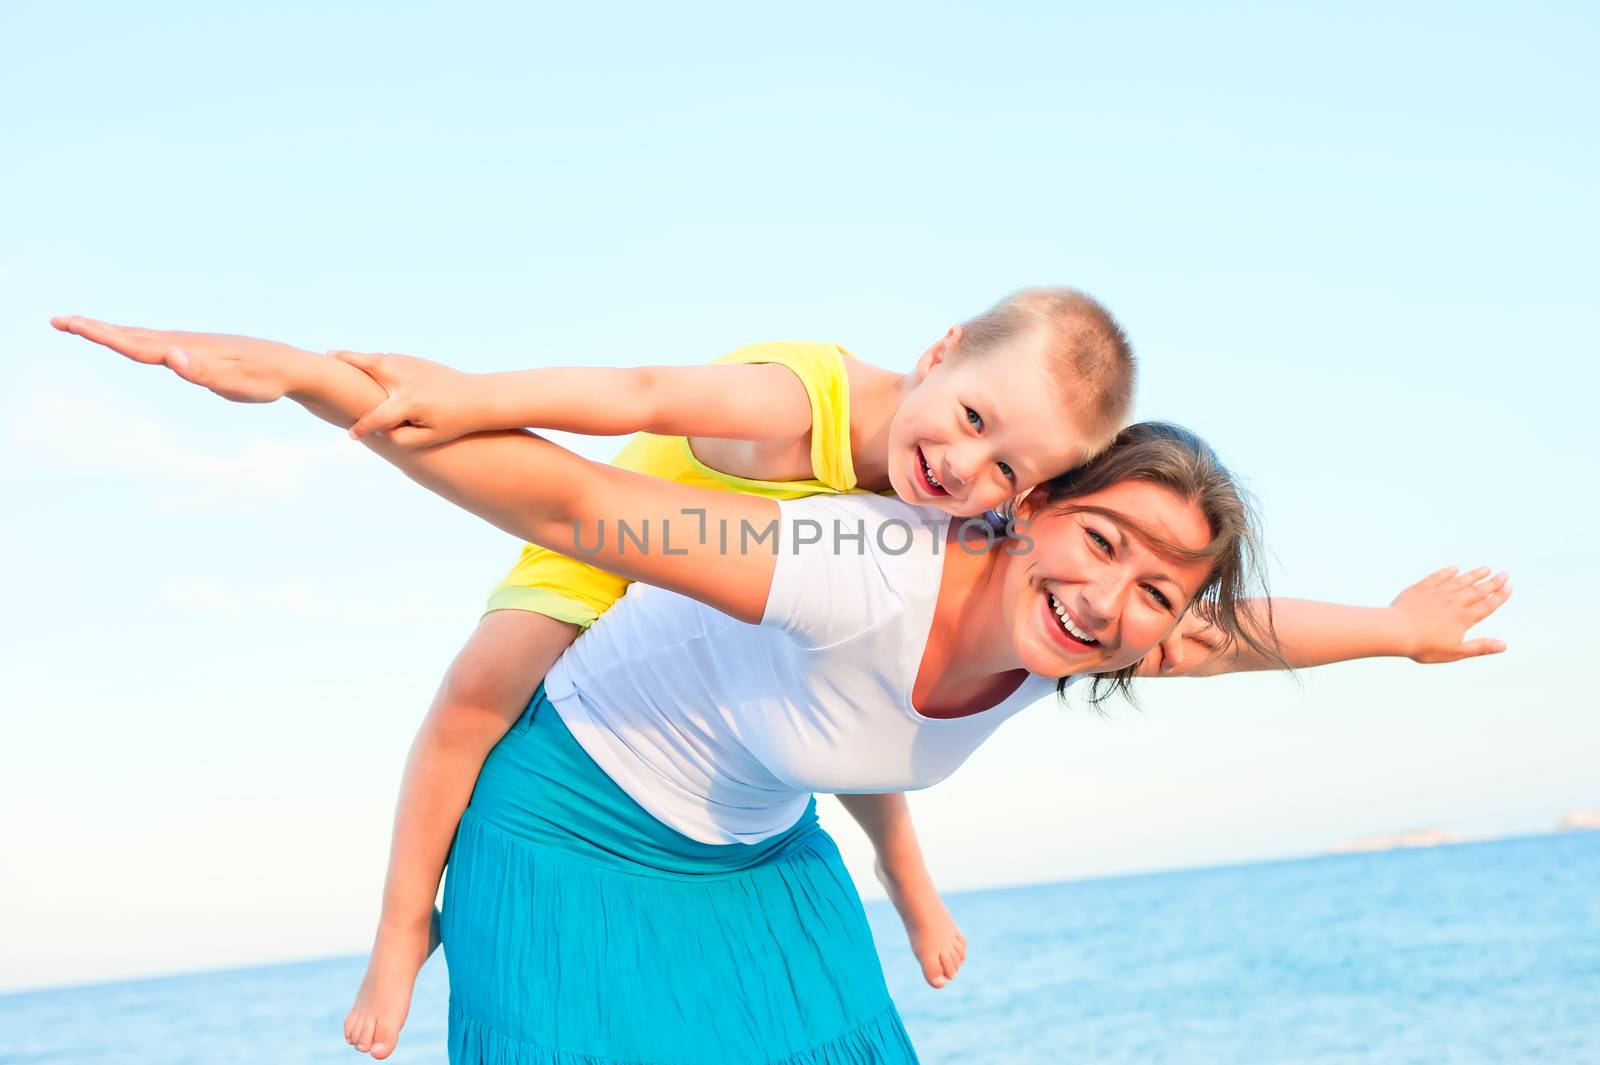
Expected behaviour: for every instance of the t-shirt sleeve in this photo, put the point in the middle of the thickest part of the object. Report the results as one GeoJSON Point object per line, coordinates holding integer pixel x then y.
{"type": "Point", "coordinates": [843, 563]}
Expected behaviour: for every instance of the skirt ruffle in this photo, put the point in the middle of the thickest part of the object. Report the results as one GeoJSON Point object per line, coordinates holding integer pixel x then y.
{"type": "Point", "coordinates": [629, 944]}
{"type": "Point", "coordinates": [882, 1039]}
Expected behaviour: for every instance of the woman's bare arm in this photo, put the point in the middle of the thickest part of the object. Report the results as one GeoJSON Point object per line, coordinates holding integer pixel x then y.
{"type": "Point", "coordinates": [1427, 622]}
{"type": "Point", "coordinates": [626, 523]}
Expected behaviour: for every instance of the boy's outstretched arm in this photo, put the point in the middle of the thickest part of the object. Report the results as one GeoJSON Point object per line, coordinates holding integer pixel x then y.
{"type": "Point", "coordinates": [526, 486]}
{"type": "Point", "coordinates": [429, 403]}
{"type": "Point", "coordinates": [1427, 622]}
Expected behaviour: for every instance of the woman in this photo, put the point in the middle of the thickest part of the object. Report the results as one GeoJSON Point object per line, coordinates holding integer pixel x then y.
{"type": "Point", "coordinates": [640, 876]}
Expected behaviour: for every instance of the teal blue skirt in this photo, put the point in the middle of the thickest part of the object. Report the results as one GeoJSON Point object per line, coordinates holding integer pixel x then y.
{"type": "Point", "coordinates": [579, 930]}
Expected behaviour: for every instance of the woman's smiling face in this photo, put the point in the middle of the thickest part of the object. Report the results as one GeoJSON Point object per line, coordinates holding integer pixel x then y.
{"type": "Point", "coordinates": [1085, 593]}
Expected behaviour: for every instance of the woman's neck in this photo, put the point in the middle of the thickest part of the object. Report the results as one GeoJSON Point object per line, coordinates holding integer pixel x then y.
{"type": "Point", "coordinates": [968, 665]}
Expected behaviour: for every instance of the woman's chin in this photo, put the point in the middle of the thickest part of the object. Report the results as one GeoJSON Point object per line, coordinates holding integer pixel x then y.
{"type": "Point", "coordinates": [1046, 659]}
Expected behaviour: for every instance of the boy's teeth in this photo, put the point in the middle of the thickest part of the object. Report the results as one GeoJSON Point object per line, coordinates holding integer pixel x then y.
{"type": "Point", "coordinates": [927, 472]}
{"type": "Point", "coordinates": [1066, 621]}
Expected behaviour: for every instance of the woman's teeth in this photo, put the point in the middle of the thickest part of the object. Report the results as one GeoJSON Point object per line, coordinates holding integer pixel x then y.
{"type": "Point", "coordinates": [1066, 622]}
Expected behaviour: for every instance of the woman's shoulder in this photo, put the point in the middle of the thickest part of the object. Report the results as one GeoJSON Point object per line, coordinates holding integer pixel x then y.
{"type": "Point", "coordinates": [882, 525]}
{"type": "Point", "coordinates": [850, 563]}
{"type": "Point", "coordinates": [870, 504]}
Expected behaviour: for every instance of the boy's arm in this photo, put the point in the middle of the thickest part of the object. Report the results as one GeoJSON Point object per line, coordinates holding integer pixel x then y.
{"type": "Point", "coordinates": [529, 487]}
{"type": "Point", "coordinates": [1427, 622]}
{"type": "Point", "coordinates": [429, 403]}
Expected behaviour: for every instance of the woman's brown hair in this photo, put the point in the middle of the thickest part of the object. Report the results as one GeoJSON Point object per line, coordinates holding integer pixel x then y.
{"type": "Point", "coordinates": [1176, 459]}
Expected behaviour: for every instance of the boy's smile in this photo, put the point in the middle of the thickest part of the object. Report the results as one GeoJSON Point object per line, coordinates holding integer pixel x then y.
{"type": "Point", "coordinates": [922, 474]}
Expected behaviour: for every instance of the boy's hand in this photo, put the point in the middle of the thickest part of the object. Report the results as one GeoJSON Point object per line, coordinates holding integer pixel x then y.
{"type": "Point", "coordinates": [1437, 611]}
{"type": "Point", "coordinates": [242, 369]}
{"type": "Point", "coordinates": [428, 403]}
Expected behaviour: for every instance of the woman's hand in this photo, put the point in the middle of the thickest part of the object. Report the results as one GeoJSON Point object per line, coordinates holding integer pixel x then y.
{"type": "Point", "coordinates": [1428, 622]}
{"type": "Point", "coordinates": [428, 403]}
{"type": "Point", "coordinates": [241, 369]}
{"type": "Point", "coordinates": [1436, 612]}
{"type": "Point", "coordinates": [1192, 642]}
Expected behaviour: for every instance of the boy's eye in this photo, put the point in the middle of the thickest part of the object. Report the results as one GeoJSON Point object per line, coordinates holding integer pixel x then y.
{"type": "Point", "coordinates": [1007, 472]}
{"type": "Point", "coordinates": [974, 419]}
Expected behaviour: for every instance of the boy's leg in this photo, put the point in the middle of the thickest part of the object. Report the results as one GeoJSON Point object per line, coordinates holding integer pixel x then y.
{"type": "Point", "coordinates": [485, 690]}
{"type": "Point", "coordinates": [935, 937]}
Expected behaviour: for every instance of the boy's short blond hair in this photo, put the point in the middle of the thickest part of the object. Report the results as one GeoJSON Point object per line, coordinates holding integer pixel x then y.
{"type": "Point", "coordinates": [1085, 350]}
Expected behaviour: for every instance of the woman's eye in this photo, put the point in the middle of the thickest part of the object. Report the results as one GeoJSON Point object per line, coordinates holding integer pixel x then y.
{"type": "Point", "coordinates": [974, 419]}
{"type": "Point", "coordinates": [1155, 593]}
{"type": "Point", "coordinates": [1099, 541]}
{"type": "Point", "coordinates": [1007, 472]}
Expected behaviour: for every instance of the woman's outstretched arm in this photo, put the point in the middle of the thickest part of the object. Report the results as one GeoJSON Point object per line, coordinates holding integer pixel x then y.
{"type": "Point", "coordinates": [629, 524]}
{"type": "Point", "coordinates": [1427, 622]}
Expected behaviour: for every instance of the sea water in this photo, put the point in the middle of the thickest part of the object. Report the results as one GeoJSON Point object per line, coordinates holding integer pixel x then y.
{"type": "Point", "coordinates": [1475, 953]}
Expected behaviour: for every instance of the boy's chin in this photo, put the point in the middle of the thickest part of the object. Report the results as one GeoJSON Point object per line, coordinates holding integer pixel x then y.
{"type": "Point", "coordinates": [905, 491]}
{"type": "Point", "coordinates": [943, 506]}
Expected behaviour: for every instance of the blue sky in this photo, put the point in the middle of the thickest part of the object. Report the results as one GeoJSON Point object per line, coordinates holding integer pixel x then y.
{"type": "Point", "coordinates": [1354, 248]}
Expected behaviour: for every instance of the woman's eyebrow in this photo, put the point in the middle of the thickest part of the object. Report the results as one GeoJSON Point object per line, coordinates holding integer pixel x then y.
{"type": "Point", "coordinates": [1122, 545]}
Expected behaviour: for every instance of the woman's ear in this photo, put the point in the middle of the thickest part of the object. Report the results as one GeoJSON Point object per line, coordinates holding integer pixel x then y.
{"type": "Point", "coordinates": [1026, 507]}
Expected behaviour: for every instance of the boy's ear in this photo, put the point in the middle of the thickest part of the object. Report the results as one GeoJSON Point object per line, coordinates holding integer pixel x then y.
{"type": "Point", "coordinates": [938, 351]}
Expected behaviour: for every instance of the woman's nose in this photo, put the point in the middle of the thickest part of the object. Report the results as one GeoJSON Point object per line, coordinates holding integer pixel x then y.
{"type": "Point", "coordinates": [1100, 599]}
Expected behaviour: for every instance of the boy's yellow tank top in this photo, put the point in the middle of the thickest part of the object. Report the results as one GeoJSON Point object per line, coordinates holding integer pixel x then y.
{"type": "Point", "coordinates": [547, 582]}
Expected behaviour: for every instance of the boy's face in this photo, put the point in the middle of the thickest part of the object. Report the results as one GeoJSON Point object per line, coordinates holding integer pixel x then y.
{"type": "Point", "coordinates": [980, 429]}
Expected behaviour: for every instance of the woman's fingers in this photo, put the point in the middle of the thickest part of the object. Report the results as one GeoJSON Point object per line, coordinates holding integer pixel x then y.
{"type": "Point", "coordinates": [1490, 603]}
{"type": "Point", "coordinates": [1484, 589]}
{"type": "Point", "coordinates": [1469, 578]}
{"type": "Point", "coordinates": [112, 336]}
{"type": "Point", "coordinates": [1439, 576]}
{"type": "Point", "coordinates": [1483, 646]}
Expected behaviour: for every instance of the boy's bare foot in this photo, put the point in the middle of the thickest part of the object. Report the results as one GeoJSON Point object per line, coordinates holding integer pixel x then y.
{"type": "Point", "coordinates": [374, 1022]}
{"type": "Point", "coordinates": [935, 937]}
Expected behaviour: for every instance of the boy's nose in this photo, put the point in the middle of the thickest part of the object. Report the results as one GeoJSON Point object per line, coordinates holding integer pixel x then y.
{"type": "Point", "coordinates": [955, 469]}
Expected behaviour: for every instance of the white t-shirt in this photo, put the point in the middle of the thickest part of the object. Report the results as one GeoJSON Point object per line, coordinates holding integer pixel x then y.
{"type": "Point", "coordinates": [722, 730]}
